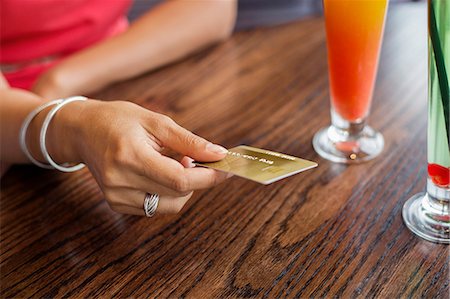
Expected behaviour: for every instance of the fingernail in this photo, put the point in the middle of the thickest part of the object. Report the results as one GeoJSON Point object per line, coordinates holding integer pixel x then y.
{"type": "Point", "coordinates": [229, 175]}
{"type": "Point", "coordinates": [217, 149]}
{"type": "Point", "coordinates": [190, 163]}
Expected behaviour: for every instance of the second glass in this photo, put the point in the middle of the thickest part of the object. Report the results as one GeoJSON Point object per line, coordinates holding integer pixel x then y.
{"type": "Point", "coordinates": [428, 214]}
{"type": "Point", "coordinates": [354, 35]}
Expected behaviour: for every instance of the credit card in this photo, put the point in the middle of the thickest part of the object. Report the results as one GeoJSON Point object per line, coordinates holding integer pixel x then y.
{"type": "Point", "coordinates": [259, 165]}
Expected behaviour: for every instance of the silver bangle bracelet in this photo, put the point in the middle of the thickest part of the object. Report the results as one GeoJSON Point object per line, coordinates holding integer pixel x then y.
{"type": "Point", "coordinates": [43, 135]}
{"type": "Point", "coordinates": [24, 129]}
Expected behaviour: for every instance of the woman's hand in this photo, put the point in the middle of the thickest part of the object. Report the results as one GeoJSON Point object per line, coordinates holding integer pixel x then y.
{"type": "Point", "coordinates": [121, 143]}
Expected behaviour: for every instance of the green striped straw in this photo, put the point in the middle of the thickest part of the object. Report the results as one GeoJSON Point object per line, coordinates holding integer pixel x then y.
{"type": "Point", "coordinates": [440, 67]}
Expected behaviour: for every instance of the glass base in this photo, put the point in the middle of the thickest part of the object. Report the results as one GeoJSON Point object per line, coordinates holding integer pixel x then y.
{"type": "Point", "coordinates": [341, 146]}
{"type": "Point", "coordinates": [426, 220]}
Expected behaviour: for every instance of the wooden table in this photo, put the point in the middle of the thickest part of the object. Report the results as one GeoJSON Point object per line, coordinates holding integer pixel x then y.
{"type": "Point", "coordinates": [333, 231]}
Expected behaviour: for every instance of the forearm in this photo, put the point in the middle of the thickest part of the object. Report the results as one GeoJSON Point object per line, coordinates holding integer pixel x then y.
{"type": "Point", "coordinates": [166, 33]}
{"type": "Point", "coordinates": [15, 105]}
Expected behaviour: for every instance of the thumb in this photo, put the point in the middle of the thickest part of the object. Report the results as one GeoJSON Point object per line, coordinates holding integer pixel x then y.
{"type": "Point", "coordinates": [179, 139]}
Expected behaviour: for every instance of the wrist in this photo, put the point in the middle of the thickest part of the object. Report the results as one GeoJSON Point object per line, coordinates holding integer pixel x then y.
{"type": "Point", "coordinates": [62, 138]}
{"type": "Point", "coordinates": [64, 133]}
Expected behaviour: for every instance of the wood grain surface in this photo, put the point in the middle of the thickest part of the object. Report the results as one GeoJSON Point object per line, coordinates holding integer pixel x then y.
{"type": "Point", "coordinates": [335, 231]}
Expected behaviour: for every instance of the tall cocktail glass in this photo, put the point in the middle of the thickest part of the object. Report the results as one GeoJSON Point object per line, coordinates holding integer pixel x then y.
{"type": "Point", "coordinates": [354, 31]}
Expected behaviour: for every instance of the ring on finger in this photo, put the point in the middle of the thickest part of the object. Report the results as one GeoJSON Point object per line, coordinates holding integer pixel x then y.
{"type": "Point", "coordinates": [150, 204]}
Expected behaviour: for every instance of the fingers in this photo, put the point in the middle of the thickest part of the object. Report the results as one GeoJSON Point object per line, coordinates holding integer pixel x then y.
{"type": "Point", "coordinates": [126, 201]}
{"type": "Point", "coordinates": [171, 174]}
{"type": "Point", "coordinates": [173, 181]}
{"type": "Point", "coordinates": [163, 177]}
{"type": "Point", "coordinates": [171, 135]}
{"type": "Point", "coordinates": [141, 182]}
{"type": "Point", "coordinates": [203, 178]}
{"type": "Point", "coordinates": [172, 205]}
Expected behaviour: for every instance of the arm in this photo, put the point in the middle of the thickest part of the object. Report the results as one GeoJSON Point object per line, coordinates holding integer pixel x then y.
{"type": "Point", "coordinates": [121, 145]}
{"type": "Point", "coordinates": [167, 33]}
{"type": "Point", "coordinates": [14, 106]}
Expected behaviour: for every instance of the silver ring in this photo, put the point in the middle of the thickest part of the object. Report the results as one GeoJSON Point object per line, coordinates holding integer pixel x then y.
{"type": "Point", "coordinates": [150, 204]}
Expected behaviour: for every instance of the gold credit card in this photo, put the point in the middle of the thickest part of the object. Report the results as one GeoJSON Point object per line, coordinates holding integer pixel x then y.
{"type": "Point", "coordinates": [259, 165]}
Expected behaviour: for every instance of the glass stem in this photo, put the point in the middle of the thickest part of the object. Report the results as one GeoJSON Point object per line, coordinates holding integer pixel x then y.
{"type": "Point", "coordinates": [344, 127]}
{"type": "Point", "coordinates": [436, 204]}
{"type": "Point", "coordinates": [441, 195]}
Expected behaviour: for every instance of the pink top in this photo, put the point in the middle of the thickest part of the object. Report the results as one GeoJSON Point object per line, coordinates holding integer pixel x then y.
{"type": "Point", "coordinates": [36, 34]}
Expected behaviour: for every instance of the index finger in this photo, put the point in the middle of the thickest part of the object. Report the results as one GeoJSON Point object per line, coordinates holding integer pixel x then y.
{"type": "Point", "coordinates": [172, 174]}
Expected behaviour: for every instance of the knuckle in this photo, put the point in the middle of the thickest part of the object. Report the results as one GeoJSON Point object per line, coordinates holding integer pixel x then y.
{"type": "Point", "coordinates": [166, 120]}
{"type": "Point", "coordinates": [109, 177]}
{"type": "Point", "coordinates": [192, 141]}
{"type": "Point", "coordinates": [112, 177]}
{"type": "Point", "coordinates": [146, 168]}
{"type": "Point", "coordinates": [162, 126]}
{"type": "Point", "coordinates": [121, 154]}
{"type": "Point", "coordinates": [180, 184]}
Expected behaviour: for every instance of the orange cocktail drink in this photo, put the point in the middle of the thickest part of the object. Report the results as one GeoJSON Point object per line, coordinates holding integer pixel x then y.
{"type": "Point", "coordinates": [354, 34]}
{"type": "Point", "coordinates": [354, 30]}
